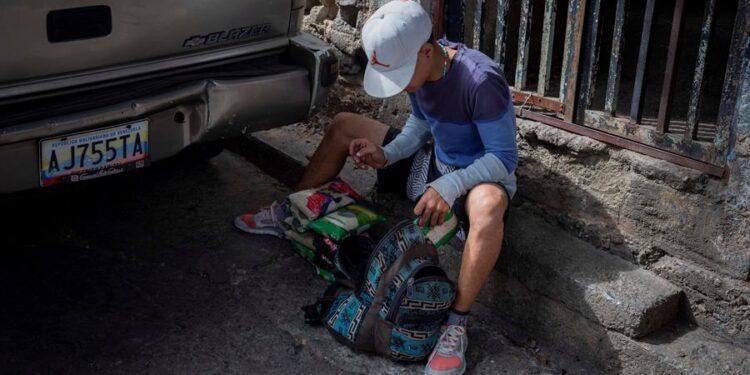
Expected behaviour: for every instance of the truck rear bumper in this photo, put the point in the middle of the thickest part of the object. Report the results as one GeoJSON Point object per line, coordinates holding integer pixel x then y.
{"type": "Point", "coordinates": [203, 110]}
{"type": "Point", "coordinates": [198, 112]}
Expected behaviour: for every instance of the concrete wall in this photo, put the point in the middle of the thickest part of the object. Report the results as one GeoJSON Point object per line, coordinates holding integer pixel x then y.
{"type": "Point", "coordinates": [683, 225]}
{"type": "Point", "coordinates": [339, 21]}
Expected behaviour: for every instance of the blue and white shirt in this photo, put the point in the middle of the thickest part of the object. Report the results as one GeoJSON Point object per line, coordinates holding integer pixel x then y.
{"type": "Point", "coordinates": [470, 116]}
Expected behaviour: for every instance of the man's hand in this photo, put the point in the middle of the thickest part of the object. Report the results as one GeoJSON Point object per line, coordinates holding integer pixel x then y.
{"type": "Point", "coordinates": [365, 154]}
{"type": "Point", "coordinates": [432, 208]}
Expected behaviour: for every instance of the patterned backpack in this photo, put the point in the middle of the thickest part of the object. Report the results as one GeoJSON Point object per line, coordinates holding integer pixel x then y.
{"type": "Point", "coordinates": [397, 308]}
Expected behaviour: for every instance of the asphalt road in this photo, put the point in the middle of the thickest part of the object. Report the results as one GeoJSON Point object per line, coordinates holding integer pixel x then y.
{"type": "Point", "coordinates": [144, 273]}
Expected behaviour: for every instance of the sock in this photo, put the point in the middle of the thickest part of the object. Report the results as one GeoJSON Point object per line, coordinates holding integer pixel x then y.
{"type": "Point", "coordinates": [458, 318]}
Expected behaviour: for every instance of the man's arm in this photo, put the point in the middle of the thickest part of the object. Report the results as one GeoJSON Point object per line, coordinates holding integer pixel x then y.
{"type": "Point", "coordinates": [485, 169]}
{"type": "Point", "coordinates": [496, 124]}
{"type": "Point", "coordinates": [415, 133]}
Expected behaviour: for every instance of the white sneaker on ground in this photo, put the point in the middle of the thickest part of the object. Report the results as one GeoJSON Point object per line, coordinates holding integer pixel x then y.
{"type": "Point", "coordinates": [448, 357]}
{"type": "Point", "coordinates": [267, 221]}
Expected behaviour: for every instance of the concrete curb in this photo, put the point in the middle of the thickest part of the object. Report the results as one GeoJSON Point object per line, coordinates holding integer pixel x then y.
{"type": "Point", "coordinates": [592, 309]}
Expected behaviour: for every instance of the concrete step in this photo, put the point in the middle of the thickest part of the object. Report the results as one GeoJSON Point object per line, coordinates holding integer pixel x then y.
{"type": "Point", "coordinates": [296, 143]}
{"type": "Point", "coordinates": [540, 321]}
{"type": "Point", "coordinates": [602, 287]}
{"type": "Point", "coordinates": [562, 292]}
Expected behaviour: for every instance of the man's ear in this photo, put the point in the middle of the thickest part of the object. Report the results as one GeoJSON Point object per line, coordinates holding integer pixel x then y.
{"type": "Point", "coordinates": [427, 50]}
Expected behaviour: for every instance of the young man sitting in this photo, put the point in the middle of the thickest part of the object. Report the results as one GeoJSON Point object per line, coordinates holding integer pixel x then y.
{"type": "Point", "coordinates": [461, 102]}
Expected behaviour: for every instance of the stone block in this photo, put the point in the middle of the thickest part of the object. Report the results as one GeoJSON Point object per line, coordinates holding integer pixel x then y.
{"type": "Point", "coordinates": [562, 332]}
{"type": "Point", "coordinates": [344, 37]}
{"type": "Point", "coordinates": [604, 288]}
{"type": "Point", "coordinates": [649, 203]}
{"type": "Point", "coordinates": [321, 13]}
{"type": "Point", "coordinates": [395, 110]}
{"type": "Point", "coordinates": [718, 303]}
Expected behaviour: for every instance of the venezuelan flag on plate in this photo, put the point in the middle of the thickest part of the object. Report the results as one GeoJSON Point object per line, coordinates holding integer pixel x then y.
{"type": "Point", "coordinates": [97, 153]}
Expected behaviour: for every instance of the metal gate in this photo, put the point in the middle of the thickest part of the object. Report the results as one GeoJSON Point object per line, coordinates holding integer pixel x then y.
{"type": "Point", "coordinates": [659, 78]}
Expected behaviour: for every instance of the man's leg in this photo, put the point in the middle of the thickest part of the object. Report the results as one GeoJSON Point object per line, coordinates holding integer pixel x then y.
{"type": "Point", "coordinates": [485, 206]}
{"type": "Point", "coordinates": [325, 164]}
{"type": "Point", "coordinates": [331, 154]}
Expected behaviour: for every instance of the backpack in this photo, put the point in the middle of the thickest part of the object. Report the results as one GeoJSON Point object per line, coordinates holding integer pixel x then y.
{"type": "Point", "coordinates": [397, 306]}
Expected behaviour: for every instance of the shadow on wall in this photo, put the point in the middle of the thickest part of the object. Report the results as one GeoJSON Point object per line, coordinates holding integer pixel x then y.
{"type": "Point", "coordinates": [553, 289]}
{"type": "Point", "coordinates": [543, 295]}
{"type": "Point", "coordinates": [579, 299]}
{"type": "Point", "coordinates": [676, 222]}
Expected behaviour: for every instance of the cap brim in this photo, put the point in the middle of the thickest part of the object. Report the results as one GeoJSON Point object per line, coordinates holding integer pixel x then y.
{"type": "Point", "coordinates": [386, 84]}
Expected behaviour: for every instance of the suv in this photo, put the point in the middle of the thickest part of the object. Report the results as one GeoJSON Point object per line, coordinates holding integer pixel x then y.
{"type": "Point", "coordinates": [92, 91]}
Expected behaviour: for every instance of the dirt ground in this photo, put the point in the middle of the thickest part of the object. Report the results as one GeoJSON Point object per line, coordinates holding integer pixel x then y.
{"type": "Point", "coordinates": [347, 96]}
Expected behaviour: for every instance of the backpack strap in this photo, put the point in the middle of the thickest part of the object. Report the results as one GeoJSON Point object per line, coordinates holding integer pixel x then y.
{"type": "Point", "coordinates": [315, 313]}
{"type": "Point", "coordinates": [370, 329]}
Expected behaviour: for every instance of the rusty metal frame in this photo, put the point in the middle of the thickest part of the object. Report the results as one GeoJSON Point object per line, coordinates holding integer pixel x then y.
{"type": "Point", "coordinates": [637, 99]}
{"type": "Point", "coordinates": [647, 133]}
{"type": "Point", "coordinates": [590, 61]}
{"type": "Point", "coordinates": [454, 19]}
{"type": "Point", "coordinates": [670, 74]}
{"type": "Point", "coordinates": [573, 38]}
{"type": "Point", "coordinates": [696, 91]}
{"type": "Point", "coordinates": [625, 143]}
{"type": "Point", "coordinates": [548, 40]}
{"type": "Point", "coordinates": [524, 41]}
{"type": "Point", "coordinates": [737, 53]}
{"type": "Point", "coordinates": [478, 9]}
{"type": "Point", "coordinates": [467, 21]}
{"type": "Point", "coordinates": [615, 62]}
{"type": "Point", "coordinates": [438, 18]}
{"type": "Point", "coordinates": [500, 32]}
{"type": "Point", "coordinates": [571, 111]}
{"type": "Point", "coordinates": [528, 98]}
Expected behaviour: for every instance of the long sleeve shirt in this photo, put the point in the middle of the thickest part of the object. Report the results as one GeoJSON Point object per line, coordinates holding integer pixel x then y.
{"type": "Point", "coordinates": [470, 116]}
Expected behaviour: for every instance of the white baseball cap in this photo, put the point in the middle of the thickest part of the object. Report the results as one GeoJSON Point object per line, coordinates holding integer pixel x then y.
{"type": "Point", "coordinates": [392, 38]}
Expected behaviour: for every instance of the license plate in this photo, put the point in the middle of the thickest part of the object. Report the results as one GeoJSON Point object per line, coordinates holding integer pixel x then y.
{"type": "Point", "coordinates": [84, 156]}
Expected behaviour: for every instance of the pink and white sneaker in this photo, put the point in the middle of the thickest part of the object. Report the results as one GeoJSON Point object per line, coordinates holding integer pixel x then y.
{"type": "Point", "coordinates": [268, 221]}
{"type": "Point", "coordinates": [448, 358]}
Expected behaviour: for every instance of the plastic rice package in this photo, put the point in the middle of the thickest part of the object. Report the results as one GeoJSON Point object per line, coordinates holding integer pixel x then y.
{"type": "Point", "coordinates": [306, 238]}
{"type": "Point", "coordinates": [347, 221]}
{"type": "Point", "coordinates": [315, 203]}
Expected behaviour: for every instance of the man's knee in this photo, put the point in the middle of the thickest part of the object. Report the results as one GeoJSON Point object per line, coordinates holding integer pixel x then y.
{"type": "Point", "coordinates": [342, 127]}
{"type": "Point", "coordinates": [486, 206]}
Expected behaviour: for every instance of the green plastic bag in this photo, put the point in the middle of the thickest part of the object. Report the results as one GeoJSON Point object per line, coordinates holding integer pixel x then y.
{"type": "Point", "coordinates": [306, 238]}
{"type": "Point", "coordinates": [309, 255]}
{"type": "Point", "coordinates": [344, 222]}
{"type": "Point", "coordinates": [441, 234]}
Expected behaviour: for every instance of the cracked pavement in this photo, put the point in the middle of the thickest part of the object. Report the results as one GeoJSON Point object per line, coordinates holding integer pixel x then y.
{"type": "Point", "coordinates": [144, 273]}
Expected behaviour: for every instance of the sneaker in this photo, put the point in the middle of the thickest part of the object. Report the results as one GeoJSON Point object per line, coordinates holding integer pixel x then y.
{"type": "Point", "coordinates": [267, 221]}
{"type": "Point", "coordinates": [448, 356]}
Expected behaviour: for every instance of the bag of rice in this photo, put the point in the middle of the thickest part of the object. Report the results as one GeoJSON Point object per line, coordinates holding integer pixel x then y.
{"type": "Point", "coordinates": [315, 203]}
{"type": "Point", "coordinates": [306, 238]}
{"type": "Point", "coordinates": [347, 221]}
